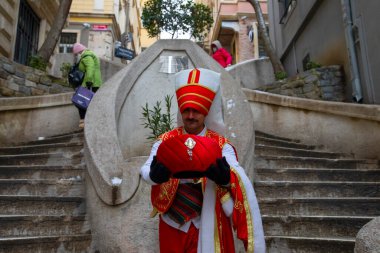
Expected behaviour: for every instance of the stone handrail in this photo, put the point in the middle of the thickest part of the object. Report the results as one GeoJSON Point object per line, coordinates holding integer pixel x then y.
{"type": "Point", "coordinates": [341, 127]}
{"type": "Point", "coordinates": [24, 119]}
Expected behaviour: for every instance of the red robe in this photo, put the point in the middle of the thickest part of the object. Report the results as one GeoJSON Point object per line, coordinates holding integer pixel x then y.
{"type": "Point", "coordinates": [162, 197]}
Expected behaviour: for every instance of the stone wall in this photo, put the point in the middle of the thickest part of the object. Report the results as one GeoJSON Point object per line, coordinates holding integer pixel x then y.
{"type": "Point", "coordinates": [325, 83]}
{"type": "Point", "coordinates": [336, 126]}
{"type": "Point", "coordinates": [253, 73]}
{"type": "Point", "coordinates": [17, 80]}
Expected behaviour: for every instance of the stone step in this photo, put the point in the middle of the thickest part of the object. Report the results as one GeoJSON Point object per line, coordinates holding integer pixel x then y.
{"type": "Point", "coordinates": [287, 174]}
{"type": "Point", "coordinates": [72, 147]}
{"type": "Point", "coordinates": [78, 243]}
{"type": "Point", "coordinates": [313, 163]}
{"type": "Point", "coordinates": [26, 225]}
{"type": "Point", "coordinates": [320, 206]}
{"type": "Point", "coordinates": [37, 205]}
{"type": "Point", "coordinates": [42, 172]}
{"type": "Point", "coordinates": [42, 159]}
{"type": "Point", "coordinates": [264, 150]}
{"type": "Point", "coordinates": [281, 143]}
{"type": "Point", "coordinates": [274, 137]}
{"type": "Point", "coordinates": [290, 244]}
{"type": "Point", "coordinates": [310, 226]}
{"type": "Point", "coordinates": [71, 137]}
{"type": "Point", "coordinates": [304, 189]}
{"type": "Point", "coordinates": [44, 187]}
{"type": "Point", "coordinates": [75, 133]}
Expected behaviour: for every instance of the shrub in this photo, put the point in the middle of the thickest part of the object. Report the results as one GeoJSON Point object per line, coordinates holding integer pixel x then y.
{"type": "Point", "coordinates": [157, 121]}
{"type": "Point", "coordinates": [37, 62]}
{"type": "Point", "coordinates": [280, 75]}
{"type": "Point", "coordinates": [312, 65]}
{"type": "Point", "coordinates": [65, 69]}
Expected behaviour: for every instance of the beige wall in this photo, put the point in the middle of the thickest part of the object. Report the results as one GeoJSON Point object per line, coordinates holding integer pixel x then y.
{"type": "Point", "coordinates": [89, 6]}
{"type": "Point", "coordinates": [45, 10]}
{"type": "Point", "coordinates": [8, 18]}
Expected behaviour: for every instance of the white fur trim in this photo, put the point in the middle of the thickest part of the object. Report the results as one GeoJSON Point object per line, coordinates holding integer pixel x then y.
{"type": "Point", "coordinates": [259, 240]}
{"type": "Point", "coordinates": [206, 231]}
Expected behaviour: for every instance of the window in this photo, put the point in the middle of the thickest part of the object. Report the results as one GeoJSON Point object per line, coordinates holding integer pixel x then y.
{"type": "Point", "coordinates": [98, 4]}
{"type": "Point", "coordinates": [286, 6]}
{"type": "Point", "coordinates": [66, 42]}
{"type": "Point", "coordinates": [28, 28]}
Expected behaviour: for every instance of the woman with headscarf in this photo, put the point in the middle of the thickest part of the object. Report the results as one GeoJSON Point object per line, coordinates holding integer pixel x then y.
{"type": "Point", "coordinates": [220, 54]}
{"type": "Point", "coordinates": [90, 65]}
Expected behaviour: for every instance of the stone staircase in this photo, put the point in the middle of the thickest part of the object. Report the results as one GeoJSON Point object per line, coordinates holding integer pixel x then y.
{"type": "Point", "coordinates": [42, 197]}
{"type": "Point", "coordinates": [313, 201]}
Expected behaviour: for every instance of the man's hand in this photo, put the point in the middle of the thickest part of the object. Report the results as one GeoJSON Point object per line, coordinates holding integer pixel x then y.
{"type": "Point", "coordinates": [219, 173]}
{"type": "Point", "coordinates": [158, 172]}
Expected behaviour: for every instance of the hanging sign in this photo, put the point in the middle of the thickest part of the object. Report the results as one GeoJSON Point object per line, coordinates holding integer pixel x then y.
{"type": "Point", "coordinates": [124, 53]}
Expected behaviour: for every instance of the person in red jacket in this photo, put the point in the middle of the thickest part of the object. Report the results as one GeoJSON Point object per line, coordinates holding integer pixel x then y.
{"type": "Point", "coordinates": [220, 54]}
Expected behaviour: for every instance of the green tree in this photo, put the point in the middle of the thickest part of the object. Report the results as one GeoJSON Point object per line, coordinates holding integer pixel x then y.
{"type": "Point", "coordinates": [200, 20]}
{"type": "Point", "coordinates": [47, 48]}
{"type": "Point", "coordinates": [175, 16]}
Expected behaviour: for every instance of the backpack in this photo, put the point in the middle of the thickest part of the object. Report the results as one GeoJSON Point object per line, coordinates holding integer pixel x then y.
{"type": "Point", "coordinates": [76, 76]}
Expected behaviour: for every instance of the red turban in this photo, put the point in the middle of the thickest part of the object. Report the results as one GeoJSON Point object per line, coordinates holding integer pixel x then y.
{"type": "Point", "coordinates": [188, 156]}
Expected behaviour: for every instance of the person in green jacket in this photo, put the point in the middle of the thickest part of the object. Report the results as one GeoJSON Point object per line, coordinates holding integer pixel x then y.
{"type": "Point", "coordinates": [90, 64]}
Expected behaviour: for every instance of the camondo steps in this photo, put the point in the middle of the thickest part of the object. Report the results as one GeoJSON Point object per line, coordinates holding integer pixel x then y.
{"type": "Point", "coordinates": [313, 201]}
{"type": "Point", "coordinates": [42, 205]}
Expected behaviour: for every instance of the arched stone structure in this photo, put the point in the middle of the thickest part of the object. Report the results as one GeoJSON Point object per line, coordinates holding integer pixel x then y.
{"type": "Point", "coordinates": [118, 202]}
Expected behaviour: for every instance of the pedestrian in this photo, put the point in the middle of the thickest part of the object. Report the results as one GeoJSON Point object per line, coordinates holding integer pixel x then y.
{"type": "Point", "coordinates": [220, 54]}
{"type": "Point", "coordinates": [89, 64]}
{"type": "Point", "coordinates": [198, 207]}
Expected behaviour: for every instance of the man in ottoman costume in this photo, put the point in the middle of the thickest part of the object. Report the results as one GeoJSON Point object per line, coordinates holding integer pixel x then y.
{"type": "Point", "coordinates": [199, 207]}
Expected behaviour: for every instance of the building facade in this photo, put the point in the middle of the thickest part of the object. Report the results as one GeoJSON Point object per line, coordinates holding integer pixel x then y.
{"type": "Point", "coordinates": [330, 33]}
{"type": "Point", "coordinates": [97, 24]}
{"type": "Point", "coordinates": [23, 27]}
{"type": "Point", "coordinates": [235, 26]}
{"type": "Point", "coordinates": [103, 25]}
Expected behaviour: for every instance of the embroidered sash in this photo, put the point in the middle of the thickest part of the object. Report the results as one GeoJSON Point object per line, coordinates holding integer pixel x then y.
{"type": "Point", "coordinates": [187, 204]}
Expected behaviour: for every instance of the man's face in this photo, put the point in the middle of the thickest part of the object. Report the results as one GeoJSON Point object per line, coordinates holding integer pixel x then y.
{"type": "Point", "coordinates": [193, 121]}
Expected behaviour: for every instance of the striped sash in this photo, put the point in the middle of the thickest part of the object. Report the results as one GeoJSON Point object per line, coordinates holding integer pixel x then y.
{"type": "Point", "coordinates": [187, 203]}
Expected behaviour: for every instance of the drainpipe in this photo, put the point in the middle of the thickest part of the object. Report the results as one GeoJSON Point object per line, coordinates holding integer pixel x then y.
{"type": "Point", "coordinates": [354, 69]}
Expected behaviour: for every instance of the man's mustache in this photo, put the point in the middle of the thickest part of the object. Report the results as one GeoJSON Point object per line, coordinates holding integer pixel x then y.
{"type": "Point", "coordinates": [191, 120]}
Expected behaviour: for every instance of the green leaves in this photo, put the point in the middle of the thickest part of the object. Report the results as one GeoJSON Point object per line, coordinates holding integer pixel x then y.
{"type": "Point", "coordinates": [151, 17]}
{"type": "Point", "coordinates": [157, 121]}
{"type": "Point", "coordinates": [175, 17]}
{"type": "Point", "coordinates": [200, 21]}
